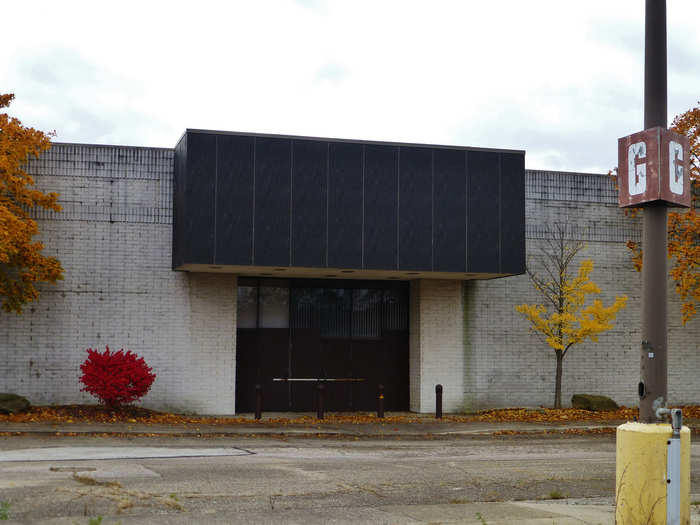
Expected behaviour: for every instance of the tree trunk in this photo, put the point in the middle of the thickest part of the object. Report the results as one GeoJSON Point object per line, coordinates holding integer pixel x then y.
{"type": "Point", "coordinates": [557, 384]}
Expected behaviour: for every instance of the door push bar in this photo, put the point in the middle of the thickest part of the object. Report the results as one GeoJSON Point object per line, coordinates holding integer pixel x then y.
{"type": "Point", "coordinates": [320, 380]}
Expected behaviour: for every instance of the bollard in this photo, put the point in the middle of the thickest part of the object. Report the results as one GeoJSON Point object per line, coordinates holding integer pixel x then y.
{"type": "Point", "coordinates": [319, 404]}
{"type": "Point", "coordinates": [258, 401]}
{"type": "Point", "coordinates": [642, 473]}
{"type": "Point", "coordinates": [380, 401]}
{"type": "Point", "coordinates": [438, 401]}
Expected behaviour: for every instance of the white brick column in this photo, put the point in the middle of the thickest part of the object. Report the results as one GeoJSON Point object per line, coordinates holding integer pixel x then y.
{"type": "Point", "coordinates": [210, 361]}
{"type": "Point", "coordinates": [436, 344]}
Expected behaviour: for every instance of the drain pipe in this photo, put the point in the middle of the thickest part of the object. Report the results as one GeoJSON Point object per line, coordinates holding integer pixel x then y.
{"type": "Point", "coordinates": [673, 465]}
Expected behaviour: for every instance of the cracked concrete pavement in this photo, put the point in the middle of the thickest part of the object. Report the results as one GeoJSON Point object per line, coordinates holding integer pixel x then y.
{"type": "Point", "coordinates": [288, 479]}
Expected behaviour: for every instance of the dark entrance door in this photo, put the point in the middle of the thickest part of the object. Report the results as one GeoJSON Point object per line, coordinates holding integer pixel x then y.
{"type": "Point", "coordinates": [352, 332]}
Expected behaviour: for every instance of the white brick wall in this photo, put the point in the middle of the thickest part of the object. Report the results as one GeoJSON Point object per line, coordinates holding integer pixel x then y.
{"type": "Point", "coordinates": [436, 336]}
{"type": "Point", "coordinates": [506, 365]}
{"type": "Point", "coordinates": [114, 242]}
{"type": "Point", "coordinates": [503, 363]}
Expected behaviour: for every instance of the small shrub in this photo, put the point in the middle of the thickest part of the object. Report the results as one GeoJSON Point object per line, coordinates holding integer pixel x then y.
{"type": "Point", "coordinates": [4, 510]}
{"type": "Point", "coordinates": [116, 378]}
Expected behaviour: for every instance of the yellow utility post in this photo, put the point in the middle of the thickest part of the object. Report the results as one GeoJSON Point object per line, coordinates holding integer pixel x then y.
{"type": "Point", "coordinates": [641, 477]}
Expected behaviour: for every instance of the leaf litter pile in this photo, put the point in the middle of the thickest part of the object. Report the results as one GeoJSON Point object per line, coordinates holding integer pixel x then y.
{"type": "Point", "coordinates": [129, 415]}
{"type": "Point", "coordinates": [133, 414]}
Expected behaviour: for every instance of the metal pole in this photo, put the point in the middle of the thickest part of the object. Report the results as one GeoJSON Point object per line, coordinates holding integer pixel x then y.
{"type": "Point", "coordinates": [438, 401]}
{"type": "Point", "coordinates": [258, 401]}
{"type": "Point", "coordinates": [653, 387]}
{"type": "Point", "coordinates": [655, 83]}
{"type": "Point", "coordinates": [673, 467]}
{"type": "Point", "coordinates": [319, 406]}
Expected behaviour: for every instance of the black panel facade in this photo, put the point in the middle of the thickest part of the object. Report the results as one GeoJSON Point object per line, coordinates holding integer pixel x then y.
{"type": "Point", "coordinates": [309, 203]}
{"type": "Point", "coordinates": [381, 207]}
{"type": "Point", "coordinates": [234, 200]}
{"type": "Point", "coordinates": [484, 212]}
{"type": "Point", "coordinates": [273, 201]}
{"type": "Point", "coordinates": [200, 187]}
{"type": "Point", "coordinates": [415, 209]}
{"type": "Point", "coordinates": [450, 212]}
{"type": "Point", "coordinates": [179, 201]}
{"type": "Point", "coordinates": [512, 213]}
{"type": "Point", "coordinates": [273, 174]}
{"type": "Point", "coordinates": [345, 205]}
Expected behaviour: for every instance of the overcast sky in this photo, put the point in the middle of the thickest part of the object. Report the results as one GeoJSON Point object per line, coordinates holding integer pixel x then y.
{"type": "Point", "coordinates": [559, 79]}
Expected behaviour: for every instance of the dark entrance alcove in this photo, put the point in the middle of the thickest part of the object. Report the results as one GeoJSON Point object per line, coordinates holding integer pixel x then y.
{"type": "Point", "coordinates": [301, 329]}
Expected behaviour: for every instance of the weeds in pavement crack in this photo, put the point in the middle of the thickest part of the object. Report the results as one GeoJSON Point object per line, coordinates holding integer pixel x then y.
{"type": "Point", "coordinates": [4, 510]}
{"type": "Point", "coordinates": [87, 480]}
{"type": "Point", "coordinates": [124, 499]}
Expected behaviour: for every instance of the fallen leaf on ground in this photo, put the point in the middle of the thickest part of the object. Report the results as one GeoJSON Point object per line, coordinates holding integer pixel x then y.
{"type": "Point", "coordinates": [133, 414]}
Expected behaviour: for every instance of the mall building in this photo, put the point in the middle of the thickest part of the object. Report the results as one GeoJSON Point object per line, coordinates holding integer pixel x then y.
{"type": "Point", "coordinates": [238, 259]}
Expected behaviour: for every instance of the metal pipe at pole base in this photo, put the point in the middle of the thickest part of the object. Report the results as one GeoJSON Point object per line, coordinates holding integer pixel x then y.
{"type": "Point", "coordinates": [642, 474]}
{"type": "Point", "coordinates": [673, 467]}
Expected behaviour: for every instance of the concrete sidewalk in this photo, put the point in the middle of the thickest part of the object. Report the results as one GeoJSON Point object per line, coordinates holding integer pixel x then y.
{"type": "Point", "coordinates": [499, 513]}
{"type": "Point", "coordinates": [594, 511]}
{"type": "Point", "coordinates": [276, 424]}
{"type": "Point", "coordinates": [493, 513]}
{"type": "Point", "coordinates": [574, 512]}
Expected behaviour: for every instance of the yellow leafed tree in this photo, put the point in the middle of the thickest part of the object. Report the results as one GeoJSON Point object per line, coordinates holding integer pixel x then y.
{"type": "Point", "coordinates": [22, 264]}
{"type": "Point", "coordinates": [563, 319]}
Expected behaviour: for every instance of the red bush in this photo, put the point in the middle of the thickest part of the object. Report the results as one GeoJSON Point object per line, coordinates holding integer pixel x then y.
{"type": "Point", "coordinates": [116, 378]}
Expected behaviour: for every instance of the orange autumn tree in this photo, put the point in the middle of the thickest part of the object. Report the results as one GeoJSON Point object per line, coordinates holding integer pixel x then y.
{"type": "Point", "coordinates": [563, 319]}
{"type": "Point", "coordinates": [684, 226]}
{"type": "Point", "coordinates": [22, 264]}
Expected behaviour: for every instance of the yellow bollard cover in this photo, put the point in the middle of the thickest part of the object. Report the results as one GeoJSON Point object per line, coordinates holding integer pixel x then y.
{"type": "Point", "coordinates": [640, 477]}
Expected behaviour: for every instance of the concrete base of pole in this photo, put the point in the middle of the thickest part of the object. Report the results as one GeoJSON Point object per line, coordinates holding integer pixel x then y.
{"type": "Point", "coordinates": [640, 481]}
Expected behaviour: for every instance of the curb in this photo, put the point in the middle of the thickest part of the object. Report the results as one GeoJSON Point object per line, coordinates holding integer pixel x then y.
{"type": "Point", "coordinates": [272, 432]}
